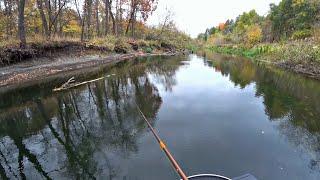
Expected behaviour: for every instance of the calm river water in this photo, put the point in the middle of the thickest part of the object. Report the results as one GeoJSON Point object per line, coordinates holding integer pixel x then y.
{"type": "Point", "coordinates": [217, 114]}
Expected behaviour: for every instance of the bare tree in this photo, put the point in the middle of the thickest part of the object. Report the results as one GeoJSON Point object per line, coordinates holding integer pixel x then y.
{"type": "Point", "coordinates": [8, 11]}
{"type": "Point", "coordinates": [81, 18]}
{"type": "Point", "coordinates": [107, 7]}
{"type": "Point", "coordinates": [43, 17]}
{"type": "Point", "coordinates": [97, 17]}
{"type": "Point", "coordinates": [50, 24]}
{"type": "Point", "coordinates": [53, 17]}
{"type": "Point", "coordinates": [168, 16]}
{"type": "Point", "coordinates": [132, 17]}
{"type": "Point", "coordinates": [82, 21]}
{"type": "Point", "coordinates": [114, 24]}
{"type": "Point", "coordinates": [88, 18]}
{"type": "Point", "coordinates": [60, 15]}
{"type": "Point", "coordinates": [21, 25]}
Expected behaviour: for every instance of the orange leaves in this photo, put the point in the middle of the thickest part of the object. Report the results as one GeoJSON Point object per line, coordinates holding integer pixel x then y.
{"type": "Point", "coordinates": [221, 26]}
{"type": "Point", "coordinates": [147, 7]}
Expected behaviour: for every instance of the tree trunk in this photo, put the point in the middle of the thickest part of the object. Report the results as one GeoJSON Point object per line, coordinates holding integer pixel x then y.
{"type": "Point", "coordinates": [82, 31]}
{"type": "Point", "coordinates": [55, 22]}
{"type": "Point", "coordinates": [132, 17]}
{"type": "Point", "coordinates": [89, 12]}
{"type": "Point", "coordinates": [53, 18]}
{"type": "Point", "coordinates": [97, 18]}
{"type": "Point", "coordinates": [117, 14]}
{"type": "Point", "coordinates": [43, 18]}
{"type": "Point", "coordinates": [60, 18]}
{"type": "Point", "coordinates": [8, 10]}
{"type": "Point", "coordinates": [84, 16]}
{"type": "Point", "coordinates": [114, 26]}
{"type": "Point", "coordinates": [11, 19]}
{"type": "Point", "coordinates": [107, 4]}
{"type": "Point", "coordinates": [81, 19]}
{"type": "Point", "coordinates": [21, 27]}
{"type": "Point", "coordinates": [133, 23]}
{"type": "Point", "coordinates": [49, 10]}
{"type": "Point", "coordinates": [120, 20]}
{"type": "Point", "coordinates": [6, 15]}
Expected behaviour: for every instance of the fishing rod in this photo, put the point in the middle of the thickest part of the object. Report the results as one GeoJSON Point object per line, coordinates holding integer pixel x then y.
{"type": "Point", "coordinates": [164, 148]}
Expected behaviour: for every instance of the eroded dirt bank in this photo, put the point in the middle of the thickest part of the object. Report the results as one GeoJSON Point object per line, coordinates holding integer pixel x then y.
{"type": "Point", "coordinates": [45, 69]}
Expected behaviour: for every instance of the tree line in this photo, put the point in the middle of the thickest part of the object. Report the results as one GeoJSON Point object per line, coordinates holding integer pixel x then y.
{"type": "Point", "coordinates": [290, 19]}
{"type": "Point", "coordinates": [73, 18]}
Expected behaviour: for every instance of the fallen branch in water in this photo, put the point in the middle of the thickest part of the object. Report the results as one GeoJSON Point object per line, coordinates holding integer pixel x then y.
{"type": "Point", "coordinates": [68, 84]}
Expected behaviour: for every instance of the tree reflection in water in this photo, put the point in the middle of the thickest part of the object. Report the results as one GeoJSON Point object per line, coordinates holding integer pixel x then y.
{"type": "Point", "coordinates": [82, 133]}
{"type": "Point", "coordinates": [289, 99]}
{"type": "Point", "coordinates": [92, 131]}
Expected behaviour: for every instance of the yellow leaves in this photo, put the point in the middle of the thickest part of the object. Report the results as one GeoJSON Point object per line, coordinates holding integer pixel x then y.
{"type": "Point", "coordinates": [298, 2]}
{"type": "Point", "coordinates": [72, 28]}
{"type": "Point", "coordinates": [253, 34]}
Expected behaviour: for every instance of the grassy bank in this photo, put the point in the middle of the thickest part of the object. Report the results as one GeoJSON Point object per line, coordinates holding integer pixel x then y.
{"type": "Point", "coordinates": [288, 35]}
{"type": "Point", "coordinates": [234, 50]}
{"type": "Point", "coordinates": [300, 56]}
{"type": "Point", "coordinates": [293, 51]}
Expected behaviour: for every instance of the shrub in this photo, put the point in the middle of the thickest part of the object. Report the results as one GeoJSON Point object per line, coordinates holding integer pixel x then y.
{"type": "Point", "coordinates": [121, 45]}
{"type": "Point", "coordinates": [253, 34]}
{"type": "Point", "coordinates": [142, 43]}
{"type": "Point", "coordinates": [300, 52]}
{"type": "Point", "coordinates": [302, 34]}
{"type": "Point", "coordinates": [148, 50]}
{"type": "Point", "coordinates": [108, 42]}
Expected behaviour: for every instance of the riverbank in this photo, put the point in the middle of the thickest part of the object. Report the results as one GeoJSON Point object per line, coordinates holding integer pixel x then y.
{"type": "Point", "coordinates": [43, 59]}
{"type": "Point", "coordinates": [302, 56]}
{"type": "Point", "coordinates": [11, 53]}
{"type": "Point", "coordinates": [47, 69]}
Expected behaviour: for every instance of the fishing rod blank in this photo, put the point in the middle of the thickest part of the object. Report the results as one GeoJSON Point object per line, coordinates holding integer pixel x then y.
{"type": "Point", "coordinates": [164, 148]}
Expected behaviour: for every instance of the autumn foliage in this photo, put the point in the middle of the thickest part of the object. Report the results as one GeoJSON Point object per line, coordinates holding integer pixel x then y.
{"type": "Point", "coordinates": [83, 19]}
{"type": "Point", "coordinates": [289, 20]}
{"type": "Point", "coordinates": [221, 26]}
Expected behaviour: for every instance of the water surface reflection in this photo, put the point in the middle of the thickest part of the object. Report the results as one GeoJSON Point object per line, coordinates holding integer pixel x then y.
{"type": "Point", "coordinates": [218, 114]}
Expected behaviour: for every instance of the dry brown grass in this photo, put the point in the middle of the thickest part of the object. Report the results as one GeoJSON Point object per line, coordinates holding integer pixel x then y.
{"type": "Point", "coordinates": [36, 39]}
{"type": "Point", "coordinates": [316, 34]}
{"type": "Point", "coordinates": [9, 42]}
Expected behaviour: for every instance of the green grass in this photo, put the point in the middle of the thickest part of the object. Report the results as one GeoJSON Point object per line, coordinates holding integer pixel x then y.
{"type": "Point", "coordinates": [239, 51]}
{"type": "Point", "coordinates": [295, 51]}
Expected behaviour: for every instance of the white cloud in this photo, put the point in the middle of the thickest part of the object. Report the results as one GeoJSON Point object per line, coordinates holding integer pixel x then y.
{"type": "Point", "coordinates": [194, 16]}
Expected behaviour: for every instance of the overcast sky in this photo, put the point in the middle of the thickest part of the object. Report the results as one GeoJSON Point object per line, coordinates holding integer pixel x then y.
{"type": "Point", "coordinates": [194, 16]}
